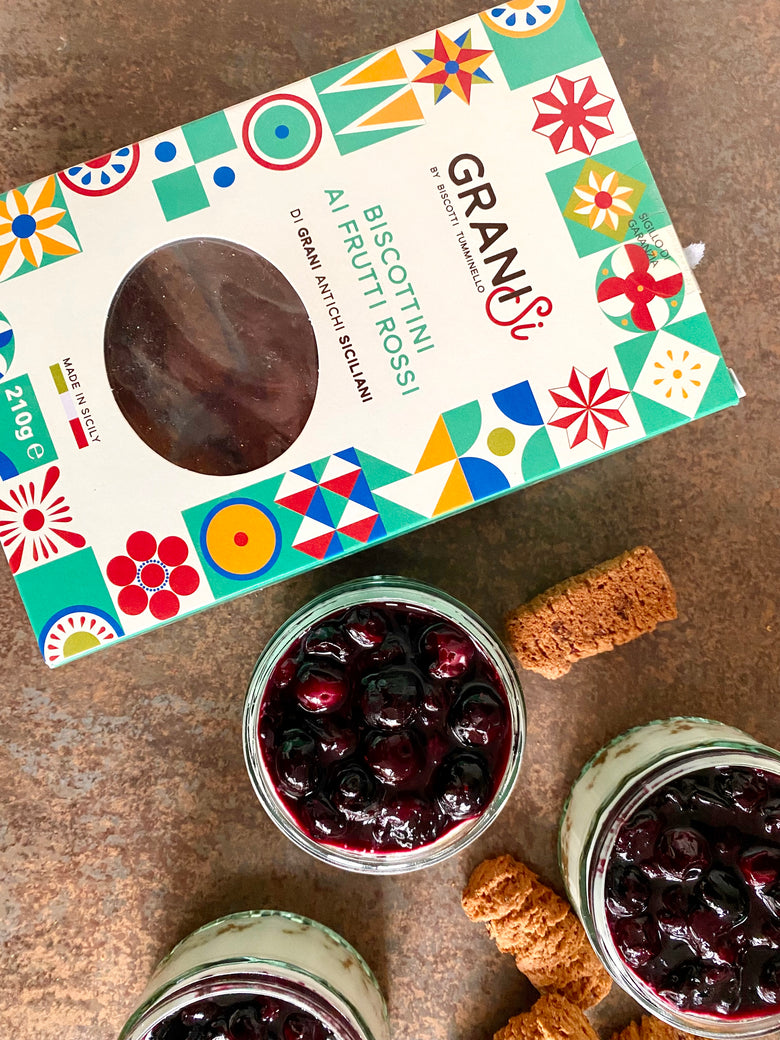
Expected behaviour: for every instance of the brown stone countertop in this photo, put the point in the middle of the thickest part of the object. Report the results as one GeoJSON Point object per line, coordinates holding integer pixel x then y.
{"type": "Point", "coordinates": [126, 817]}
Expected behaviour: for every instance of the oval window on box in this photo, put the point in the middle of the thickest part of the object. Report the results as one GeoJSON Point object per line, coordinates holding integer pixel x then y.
{"type": "Point", "coordinates": [211, 356]}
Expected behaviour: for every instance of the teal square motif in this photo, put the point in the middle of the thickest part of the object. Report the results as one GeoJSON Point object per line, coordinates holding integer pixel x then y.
{"type": "Point", "coordinates": [649, 210]}
{"type": "Point", "coordinates": [180, 193]}
{"type": "Point", "coordinates": [32, 247]}
{"type": "Point", "coordinates": [545, 49]}
{"type": "Point", "coordinates": [209, 136]}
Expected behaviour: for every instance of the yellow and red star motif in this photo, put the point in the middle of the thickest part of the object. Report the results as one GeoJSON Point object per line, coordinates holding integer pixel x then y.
{"type": "Point", "coordinates": [453, 66]}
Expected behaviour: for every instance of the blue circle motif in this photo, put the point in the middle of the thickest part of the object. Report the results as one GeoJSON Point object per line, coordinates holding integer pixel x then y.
{"type": "Point", "coordinates": [204, 530]}
{"type": "Point", "coordinates": [165, 151]}
{"type": "Point", "coordinates": [224, 176]}
{"type": "Point", "coordinates": [23, 226]}
{"type": "Point", "coordinates": [451, 67]}
{"type": "Point", "coordinates": [282, 131]}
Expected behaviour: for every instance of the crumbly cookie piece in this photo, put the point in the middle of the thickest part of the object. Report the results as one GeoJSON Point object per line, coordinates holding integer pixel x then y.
{"type": "Point", "coordinates": [608, 605]}
{"type": "Point", "coordinates": [650, 1028]}
{"type": "Point", "coordinates": [551, 1018]}
{"type": "Point", "coordinates": [538, 928]}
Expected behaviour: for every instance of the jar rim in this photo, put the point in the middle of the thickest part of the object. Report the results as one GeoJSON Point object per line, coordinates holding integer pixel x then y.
{"type": "Point", "coordinates": [405, 592]}
{"type": "Point", "coordinates": [645, 781]}
{"type": "Point", "coordinates": [241, 975]}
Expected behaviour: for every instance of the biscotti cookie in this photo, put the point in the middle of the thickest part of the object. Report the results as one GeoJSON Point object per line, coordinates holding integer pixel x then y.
{"type": "Point", "coordinates": [539, 929]}
{"type": "Point", "coordinates": [610, 604]}
{"type": "Point", "coordinates": [650, 1028]}
{"type": "Point", "coordinates": [551, 1018]}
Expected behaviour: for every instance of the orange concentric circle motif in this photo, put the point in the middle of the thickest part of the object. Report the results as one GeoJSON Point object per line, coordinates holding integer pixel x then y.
{"type": "Point", "coordinates": [240, 539]}
{"type": "Point", "coordinates": [521, 18]}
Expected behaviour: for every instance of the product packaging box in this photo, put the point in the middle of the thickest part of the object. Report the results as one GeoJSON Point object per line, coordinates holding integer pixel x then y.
{"type": "Point", "coordinates": [316, 320]}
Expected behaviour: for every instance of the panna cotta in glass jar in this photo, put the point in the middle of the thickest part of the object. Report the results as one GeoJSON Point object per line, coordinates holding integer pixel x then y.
{"type": "Point", "coordinates": [384, 726]}
{"type": "Point", "coordinates": [261, 975]}
{"type": "Point", "coordinates": [670, 853]}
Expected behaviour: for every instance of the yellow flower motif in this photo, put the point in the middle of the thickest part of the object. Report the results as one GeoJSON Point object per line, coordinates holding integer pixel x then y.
{"type": "Point", "coordinates": [679, 373]}
{"type": "Point", "coordinates": [29, 228]}
{"type": "Point", "coordinates": [605, 202]}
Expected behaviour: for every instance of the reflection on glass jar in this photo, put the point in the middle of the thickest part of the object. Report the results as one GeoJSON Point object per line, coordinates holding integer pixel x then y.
{"type": "Point", "coordinates": [261, 975]}
{"type": "Point", "coordinates": [670, 852]}
{"type": "Point", "coordinates": [211, 356]}
{"type": "Point", "coordinates": [384, 726]}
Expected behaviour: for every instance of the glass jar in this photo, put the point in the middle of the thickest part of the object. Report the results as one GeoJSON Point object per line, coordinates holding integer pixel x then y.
{"type": "Point", "coordinates": [401, 594]}
{"type": "Point", "coordinates": [266, 953]}
{"type": "Point", "coordinates": [611, 788]}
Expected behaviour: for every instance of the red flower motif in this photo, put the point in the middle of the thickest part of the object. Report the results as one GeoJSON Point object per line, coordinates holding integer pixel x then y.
{"type": "Point", "coordinates": [639, 287]}
{"type": "Point", "coordinates": [573, 115]}
{"type": "Point", "coordinates": [583, 408]}
{"type": "Point", "coordinates": [36, 522]}
{"type": "Point", "coordinates": [153, 575]}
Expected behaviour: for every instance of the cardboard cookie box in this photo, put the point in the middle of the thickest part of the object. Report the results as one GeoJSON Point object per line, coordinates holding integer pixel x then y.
{"type": "Point", "coordinates": [327, 316]}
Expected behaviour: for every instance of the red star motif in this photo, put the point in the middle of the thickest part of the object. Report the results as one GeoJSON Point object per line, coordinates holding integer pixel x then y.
{"type": "Point", "coordinates": [452, 66]}
{"type": "Point", "coordinates": [573, 115]}
{"type": "Point", "coordinates": [584, 408]}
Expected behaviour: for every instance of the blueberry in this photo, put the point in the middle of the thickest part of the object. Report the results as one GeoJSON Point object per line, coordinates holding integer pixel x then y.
{"type": "Point", "coordinates": [683, 854]}
{"type": "Point", "coordinates": [760, 866]}
{"type": "Point", "coordinates": [408, 823]}
{"type": "Point", "coordinates": [636, 841]}
{"type": "Point", "coordinates": [462, 785]}
{"type": "Point", "coordinates": [391, 698]}
{"type": "Point", "coordinates": [268, 1009]}
{"type": "Point", "coordinates": [285, 672]}
{"type": "Point", "coordinates": [673, 913]}
{"type": "Point", "coordinates": [393, 650]}
{"type": "Point", "coordinates": [354, 792]}
{"type": "Point", "coordinates": [300, 1026]}
{"type": "Point", "coordinates": [327, 641]}
{"type": "Point", "coordinates": [296, 763]}
{"type": "Point", "coordinates": [722, 892]}
{"type": "Point", "coordinates": [395, 757]}
{"type": "Point", "coordinates": [320, 691]}
{"type": "Point", "coordinates": [769, 981]}
{"type": "Point", "coordinates": [196, 1014]}
{"type": "Point", "coordinates": [334, 741]}
{"type": "Point", "coordinates": [366, 627]}
{"type": "Point", "coordinates": [709, 936]}
{"type": "Point", "coordinates": [747, 789]}
{"type": "Point", "coordinates": [451, 652]}
{"type": "Point", "coordinates": [693, 986]}
{"type": "Point", "coordinates": [478, 717]}
{"type": "Point", "coordinates": [770, 815]}
{"type": "Point", "coordinates": [322, 820]}
{"type": "Point", "coordinates": [245, 1024]}
{"type": "Point", "coordinates": [628, 891]}
{"type": "Point", "coordinates": [637, 939]}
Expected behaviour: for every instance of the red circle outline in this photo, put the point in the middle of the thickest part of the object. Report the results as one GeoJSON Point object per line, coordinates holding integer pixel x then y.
{"type": "Point", "coordinates": [136, 158]}
{"type": "Point", "coordinates": [267, 101]}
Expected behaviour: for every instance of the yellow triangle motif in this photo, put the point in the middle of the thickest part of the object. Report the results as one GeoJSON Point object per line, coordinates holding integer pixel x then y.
{"type": "Point", "coordinates": [438, 449]}
{"type": "Point", "coordinates": [403, 108]}
{"type": "Point", "coordinates": [456, 492]}
{"type": "Point", "coordinates": [386, 69]}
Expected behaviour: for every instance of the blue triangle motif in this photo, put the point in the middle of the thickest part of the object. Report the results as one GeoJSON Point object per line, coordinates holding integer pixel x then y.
{"type": "Point", "coordinates": [349, 455]}
{"type": "Point", "coordinates": [361, 492]}
{"type": "Point", "coordinates": [378, 530]}
{"type": "Point", "coordinates": [318, 509]}
{"type": "Point", "coordinates": [334, 549]}
{"type": "Point", "coordinates": [306, 472]}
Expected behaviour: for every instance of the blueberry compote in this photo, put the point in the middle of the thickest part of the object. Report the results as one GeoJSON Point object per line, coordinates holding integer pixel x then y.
{"type": "Point", "coordinates": [693, 892]}
{"type": "Point", "coordinates": [241, 1018]}
{"type": "Point", "coordinates": [384, 727]}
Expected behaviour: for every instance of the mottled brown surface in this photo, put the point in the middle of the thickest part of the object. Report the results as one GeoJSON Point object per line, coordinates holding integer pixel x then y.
{"type": "Point", "coordinates": [126, 818]}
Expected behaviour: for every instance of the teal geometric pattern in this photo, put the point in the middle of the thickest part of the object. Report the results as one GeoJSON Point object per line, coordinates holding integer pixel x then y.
{"type": "Point", "coordinates": [209, 137]}
{"type": "Point", "coordinates": [368, 100]}
{"type": "Point", "coordinates": [539, 458]}
{"type": "Point", "coordinates": [566, 43]}
{"type": "Point", "coordinates": [626, 159]}
{"type": "Point", "coordinates": [64, 583]}
{"type": "Point", "coordinates": [182, 191]}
